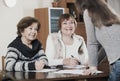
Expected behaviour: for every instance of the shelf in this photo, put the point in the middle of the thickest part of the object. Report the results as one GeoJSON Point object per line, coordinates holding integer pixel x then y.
{"type": "Point", "coordinates": [79, 23]}
{"type": "Point", "coordinates": [70, 4]}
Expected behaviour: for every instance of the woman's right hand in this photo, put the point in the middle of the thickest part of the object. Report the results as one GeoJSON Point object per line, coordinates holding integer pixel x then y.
{"type": "Point", "coordinates": [70, 62]}
{"type": "Point", "coordinates": [39, 64]}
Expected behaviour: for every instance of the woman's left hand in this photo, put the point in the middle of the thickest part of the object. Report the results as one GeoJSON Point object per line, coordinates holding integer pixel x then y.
{"type": "Point", "coordinates": [90, 71]}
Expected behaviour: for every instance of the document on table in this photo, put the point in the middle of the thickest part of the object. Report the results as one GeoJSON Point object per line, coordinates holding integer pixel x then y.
{"type": "Point", "coordinates": [76, 71]}
{"type": "Point", "coordinates": [76, 67]}
{"type": "Point", "coordinates": [44, 70]}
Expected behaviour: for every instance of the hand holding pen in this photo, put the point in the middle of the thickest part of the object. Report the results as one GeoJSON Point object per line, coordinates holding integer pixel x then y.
{"type": "Point", "coordinates": [76, 60]}
{"type": "Point", "coordinates": [70, 62]}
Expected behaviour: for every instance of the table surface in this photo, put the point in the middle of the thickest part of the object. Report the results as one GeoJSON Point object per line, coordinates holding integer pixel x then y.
{"type": "Point", "coordinates": [50, 76]}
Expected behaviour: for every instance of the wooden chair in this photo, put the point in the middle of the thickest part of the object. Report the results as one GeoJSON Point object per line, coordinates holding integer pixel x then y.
{"type": "Point", "coordinates": [103, 63]}
{"type": "Point", "coordinates": [101, 55]}
{"type": "Point", "coordinates": [3, 63]}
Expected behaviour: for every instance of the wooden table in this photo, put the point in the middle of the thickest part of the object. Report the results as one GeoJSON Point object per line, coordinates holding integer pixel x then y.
{"type": "Point", "coordinates": [50, 76]}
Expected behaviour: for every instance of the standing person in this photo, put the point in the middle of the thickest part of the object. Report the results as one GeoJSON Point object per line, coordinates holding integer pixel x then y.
{"type": "Point", "coordinates": [65, 47]}
{"type": "Point", "coordinates": [25, 52]}
{"type": "Point", "coordinates": [103, 27]}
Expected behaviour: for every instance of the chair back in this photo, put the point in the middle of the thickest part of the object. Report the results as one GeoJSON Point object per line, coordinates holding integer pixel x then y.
{"type": "Point", "coordinates": [3, 63]}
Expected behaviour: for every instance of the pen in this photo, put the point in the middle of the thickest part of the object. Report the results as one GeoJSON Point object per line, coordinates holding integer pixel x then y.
{"type": "Point", "coordinates": [94, 73]}
{"type": "Point", "coordinates": [76, 60]}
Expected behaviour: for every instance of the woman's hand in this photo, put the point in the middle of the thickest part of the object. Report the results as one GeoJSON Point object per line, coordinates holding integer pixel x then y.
{"type": "Point", "coordinates": [39, 64]}
{"type": "Point", "coordinates": [70, 62]}
{"type": "Point", "coordinates": [91, 70]}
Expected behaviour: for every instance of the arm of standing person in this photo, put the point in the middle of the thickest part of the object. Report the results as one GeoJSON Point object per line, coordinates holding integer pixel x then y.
{"type": "Point", "coordinates": [50, 52]}
{"type": "Point", "coordinates": [92, 44]}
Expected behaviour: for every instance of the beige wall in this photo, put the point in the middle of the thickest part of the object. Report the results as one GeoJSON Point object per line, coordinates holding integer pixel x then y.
{"type": "Point", "coordinates": [9, 17]}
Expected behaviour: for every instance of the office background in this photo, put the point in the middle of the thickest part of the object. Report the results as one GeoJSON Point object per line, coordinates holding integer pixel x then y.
{"type": "Point", "coordinates": [9, 17]}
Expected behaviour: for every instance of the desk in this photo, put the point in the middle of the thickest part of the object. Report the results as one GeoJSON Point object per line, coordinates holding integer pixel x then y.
{"type": "Point", "coordinates": [50, 76]}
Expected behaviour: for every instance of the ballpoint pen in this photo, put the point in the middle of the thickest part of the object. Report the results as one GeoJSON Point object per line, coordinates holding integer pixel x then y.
{"type": "Point", "coordinates": [76, 60]}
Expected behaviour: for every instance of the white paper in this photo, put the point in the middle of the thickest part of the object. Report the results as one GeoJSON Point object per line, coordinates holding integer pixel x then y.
{"type": "Point", "coordinates": [76, 67]}
{"type": "Point", "coordinates": [70, 71]}
{"type": "Point", "coordinates": [44, 70]}
{"type": "Point", "coordinates": [99, 72]}
{"type": "Point", "coordinates": [76, 71]}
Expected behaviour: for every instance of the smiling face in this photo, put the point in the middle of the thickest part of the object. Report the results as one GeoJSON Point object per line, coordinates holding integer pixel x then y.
{"type": "Point", "coordinates": [68, 26]}
{"type": "Point", "coordinates": [30, 33]}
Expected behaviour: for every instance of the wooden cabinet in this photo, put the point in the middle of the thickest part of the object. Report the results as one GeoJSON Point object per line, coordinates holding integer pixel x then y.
{"type": "Point", "coordinates": [80, 30]}
{"type": "Point", "coordinates": [48, 18]}
{"type": "Point", "coordinates": [70, 4]}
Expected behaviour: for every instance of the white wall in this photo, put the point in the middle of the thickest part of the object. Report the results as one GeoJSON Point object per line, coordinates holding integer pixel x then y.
{"type": "Point", "coordinates": [9, 17]}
